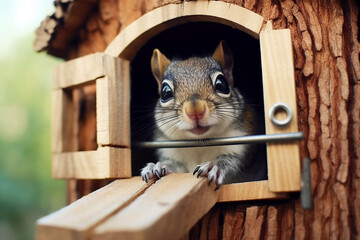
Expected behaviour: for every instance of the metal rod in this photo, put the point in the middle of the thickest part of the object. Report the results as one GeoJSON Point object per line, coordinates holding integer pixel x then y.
{"type": "Point", "coordinates": [270, 138]}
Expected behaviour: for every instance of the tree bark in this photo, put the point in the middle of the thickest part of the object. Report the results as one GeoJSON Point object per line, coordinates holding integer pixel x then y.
{"type": "Point", "coordinates": [326, 52]}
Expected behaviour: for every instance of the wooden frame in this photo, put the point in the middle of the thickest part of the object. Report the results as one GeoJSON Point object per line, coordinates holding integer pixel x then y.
{"type": "Point", "coordinates": [129, 41]}
{"type": "Point", "coordinates": [131, 208]}
{"type": "Point", "coordinates": [111, 76]}
{"type": "Point", "coordinates": [278, 70]}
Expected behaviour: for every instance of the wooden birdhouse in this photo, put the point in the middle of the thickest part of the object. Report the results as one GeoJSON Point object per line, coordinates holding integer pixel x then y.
{"type": "Point", "coordinates": [297, 63]}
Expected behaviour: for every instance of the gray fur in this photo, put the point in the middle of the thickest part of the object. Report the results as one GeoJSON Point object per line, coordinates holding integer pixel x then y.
{"type": "Point", "coordinates": [232, 117]}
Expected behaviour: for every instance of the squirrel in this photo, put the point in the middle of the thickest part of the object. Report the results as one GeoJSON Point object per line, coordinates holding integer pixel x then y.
{"type": "Point", "coordinates": [198, 101]}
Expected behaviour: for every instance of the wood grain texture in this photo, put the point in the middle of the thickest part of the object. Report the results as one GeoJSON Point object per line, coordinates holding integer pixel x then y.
{"type": "Point", "coordinates": [141, 30]}
{"type": "Point", "coordinates": [77, 220]}
{"type": "Point", "coordinates": [258, 190]}
{"type": "Point", "coordinates": [105, 162]}
{"type": "Point", "coordinates": [167, 210]}
{"type": "Point", "coordinates": [113, 104]}
{"type": "Point", "coordinates": [78, 71]}
{"type": "Point", "coordinates": [326, 48]}
{"type": "Point", "coordinates": [57, 121]}
{"type": "Point", "coordinates": [278, 73]}
{"type": "Point", "coordinates": [112, 111]}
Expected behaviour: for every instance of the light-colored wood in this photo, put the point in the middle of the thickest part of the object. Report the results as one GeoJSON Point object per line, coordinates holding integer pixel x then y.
{"type": "Point", "coordinates": [62, 116]}
{"type": "Point", "coordinates": [113, 96]}
{"type": "Point", "coordinates": [56, 121]}
{"type": "Point", "coordinates": [78, 71]}
{"type": "Point", "coordinates": [105, 162]}
{"type": "Point", "coordinates": [129, 41]}
{"type": "Point", "coordinates": [113, 118]}
{"type": "Point", "coordinates": [279, 86]}
{"type": "Point", "coordinates": [258, 190]}
{"type": "Point", "coordinates": [77, 220]}
{"type": "Point", "coordinates": [113, 104]}
{"type": "Point", "coordinates": [167, 210]}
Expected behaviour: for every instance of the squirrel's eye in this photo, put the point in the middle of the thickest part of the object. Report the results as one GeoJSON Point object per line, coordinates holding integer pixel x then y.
{"type": "Point", "coordinates": [221, 86]}
{"type": "Point", "coordinates": [166, 93]}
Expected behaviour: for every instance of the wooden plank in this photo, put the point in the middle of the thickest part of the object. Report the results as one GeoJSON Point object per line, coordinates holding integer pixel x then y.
{"type": "Point", "coordinates": [258, 190]}
{"type": "Point", "coordinates": [105, 162]}
{"type": "Point", "coordinates": [78, 71]}
{"type": "Point", "coordinates": [62, 115]}
{"type": "Point", "coordinates": [78, 219]}
{"type": "Point", "coordinates": [279, 86]}
{"type": "Point", "coordinates": [56, 121]}
{"type": "Point", "coordinates": [113, 104]}
{"type": "Point", "coordinates": [129, 41]}
{"type": "Point", "coordinates": [167, 210]}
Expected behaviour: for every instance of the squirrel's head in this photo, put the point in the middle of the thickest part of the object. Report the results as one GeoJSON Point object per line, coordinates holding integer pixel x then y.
{"type": "Point", "coordinates": [197, 98]}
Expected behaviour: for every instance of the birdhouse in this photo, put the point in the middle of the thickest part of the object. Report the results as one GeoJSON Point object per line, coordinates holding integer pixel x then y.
{"type": "Point", "coordinates": [300, 76]}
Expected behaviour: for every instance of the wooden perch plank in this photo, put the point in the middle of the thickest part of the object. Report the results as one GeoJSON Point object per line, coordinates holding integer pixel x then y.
{"type": "Point", "coordinates": [156, 21]}
{"type": "Point", "coordinates": [248, 191]}
{"type": "Point", "coordinates": [278, 72]}
{"type": "Point", "coordinates": [113, 104]}
{"type": "Point", "coordinates": [78, 219]}
{"type": "Point", "coordinates": [167, 210]}
{"type": "Point", "coordinates": [105, 162]}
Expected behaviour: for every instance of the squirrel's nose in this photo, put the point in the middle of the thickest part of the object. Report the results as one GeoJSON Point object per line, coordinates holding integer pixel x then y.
{"type": "Point", "coordinates": [195, 110]}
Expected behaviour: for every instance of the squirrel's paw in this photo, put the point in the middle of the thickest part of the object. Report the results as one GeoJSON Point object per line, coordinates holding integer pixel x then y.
{"type": "Point", "coordinates": [152, 170]}
{"type": "Point", "coordinates": [212, 172]}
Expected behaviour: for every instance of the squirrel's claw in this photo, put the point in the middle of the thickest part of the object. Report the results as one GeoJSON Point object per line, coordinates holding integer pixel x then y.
{"type": "Point", "coordinates": [212, 172]}
{"type": "Point", "coordinates": [196, 169]}
{"type": "Point", "coordinates": [152, 170]}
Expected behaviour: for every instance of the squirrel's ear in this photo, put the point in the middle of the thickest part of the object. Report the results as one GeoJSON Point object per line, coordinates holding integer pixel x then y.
{"type": "Point", "coordinates": [224, 57]}
{"type": "Point", "coordinates": [159, 62]}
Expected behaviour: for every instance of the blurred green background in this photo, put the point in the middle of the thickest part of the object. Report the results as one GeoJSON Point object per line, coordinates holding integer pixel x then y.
{"type": "Point", "coordinates": [27, 191]}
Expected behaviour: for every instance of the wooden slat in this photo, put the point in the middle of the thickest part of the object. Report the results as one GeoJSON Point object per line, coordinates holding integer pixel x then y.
{"type": "Point", "coordinates": [56, 121]}
{"type": "Point", "coordinates": [279, 86]}
{"type": "Point", "coordinates": [105, 162]}
{"type": "Point", "coordinates": [167, 210]}
{"type": "Point", "coordinates": [62, 114]}
{"type": "Point", "coordinates": [113, 104]}
{"type": "Point", "coordinates": [112, 97]}
{"type": "Point", "coordinates": [258, 190]}
{"type": "Point", "coordinates": [77, 220]}
{"type": "Point", "coordinates": [128, 42]}
{"type": "Point", "coordinates": [78, 71]}
{"type": "Point", "coordinates": [113, 118]}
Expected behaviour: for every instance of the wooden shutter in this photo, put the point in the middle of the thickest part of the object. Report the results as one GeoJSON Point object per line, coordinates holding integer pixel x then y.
{"type": "Point", "coordinates": [112, 158]}
{"type": "Point", "coordinates": [279, 87]}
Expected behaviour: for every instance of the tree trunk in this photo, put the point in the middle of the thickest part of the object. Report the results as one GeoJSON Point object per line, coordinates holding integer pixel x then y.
{"type": "Point", "coordinates": [326, 53]}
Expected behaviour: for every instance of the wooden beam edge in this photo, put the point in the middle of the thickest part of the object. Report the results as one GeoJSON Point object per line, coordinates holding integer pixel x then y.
{"type": "Point", "coordinates": [227, 13]}
{"type": "Point", "coordinates": [68, 223]}
{"type": "Point", "coordinates": [105, 162]}
{"type": "Point", "coordinates": [277, 63]}
{"type": "Point", "coordinates": [113, 103]}
{"type": "Point", "coordinates": [248, 191]}
{"type": "Point", "coordinates": [78, 71]}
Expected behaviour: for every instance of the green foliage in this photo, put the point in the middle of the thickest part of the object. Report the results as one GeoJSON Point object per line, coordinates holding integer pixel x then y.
{"type": "Point", "coordinates": [27, 190]}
